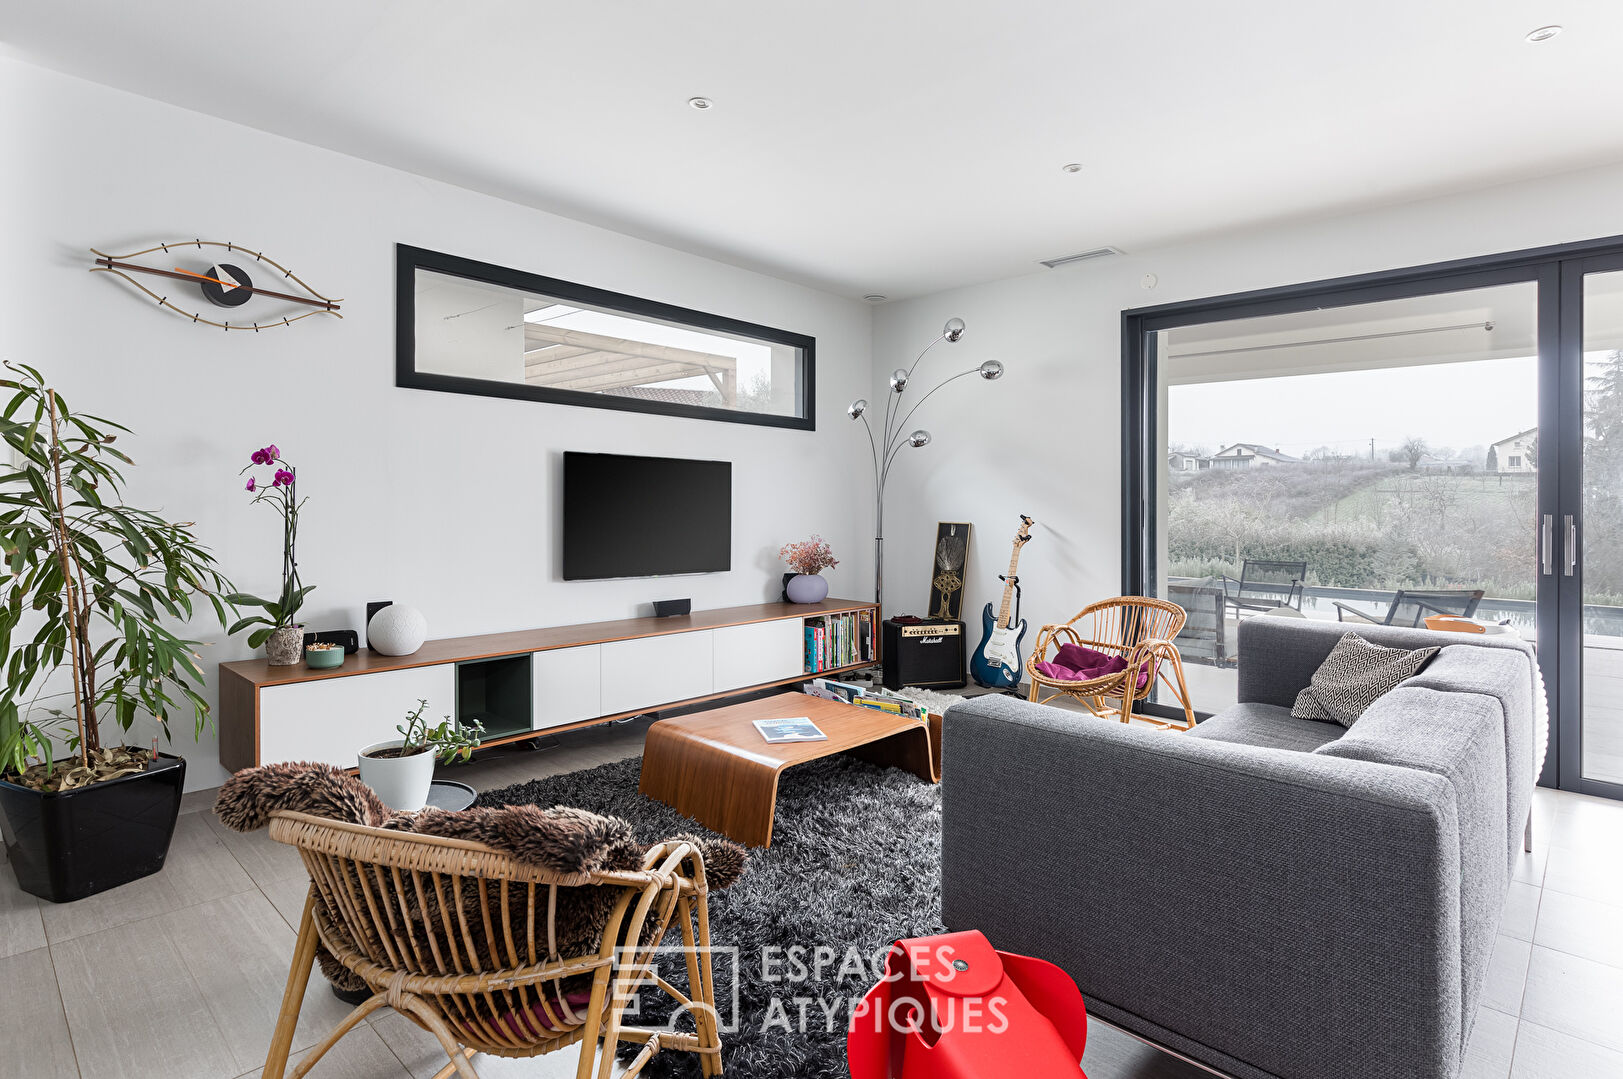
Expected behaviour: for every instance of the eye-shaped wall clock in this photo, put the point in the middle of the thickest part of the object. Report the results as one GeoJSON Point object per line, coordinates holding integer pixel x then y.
{"type": "Point", "coordinates": [224, 284]}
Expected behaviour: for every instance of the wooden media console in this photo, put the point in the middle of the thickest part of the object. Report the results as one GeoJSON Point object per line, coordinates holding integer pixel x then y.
{"type": "Point", "coordinates": [520, 683]}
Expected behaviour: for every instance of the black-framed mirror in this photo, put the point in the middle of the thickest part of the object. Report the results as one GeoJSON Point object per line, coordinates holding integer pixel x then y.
{"type": "Point", "coordinates": [464, 326]}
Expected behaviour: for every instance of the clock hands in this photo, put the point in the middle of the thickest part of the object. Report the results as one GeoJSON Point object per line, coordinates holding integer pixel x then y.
{"type": "Point", "coordinates": [216, 280]}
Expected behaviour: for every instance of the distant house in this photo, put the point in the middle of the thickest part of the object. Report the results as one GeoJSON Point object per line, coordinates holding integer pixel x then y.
{"type": "Point", "coordinates": [1178, 461]}
{"type": "Point", "coordinates": [1518, 453]}
{"type": "Point", "coordinates": [1249, 454]}
{"type": "Point", "coordinates": [1431, 463]}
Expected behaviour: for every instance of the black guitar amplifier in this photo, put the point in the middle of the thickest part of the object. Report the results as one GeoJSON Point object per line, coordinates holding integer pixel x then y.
{"type": "Point", "coordinates": [924, 654]}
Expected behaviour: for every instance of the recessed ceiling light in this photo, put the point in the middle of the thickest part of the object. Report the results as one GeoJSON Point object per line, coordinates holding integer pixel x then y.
{"type": "Point", "coordinates": [700, 103]}
{"type": "Point", "coordinates": [1543, 33]}
{"type": "Point", "coordinates": [1072, 167]}
{"type": "Point", "coordinates": [874, 297]}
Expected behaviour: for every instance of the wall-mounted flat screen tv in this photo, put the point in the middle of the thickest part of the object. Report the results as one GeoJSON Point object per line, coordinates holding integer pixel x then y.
{"type": "Point", "coordinates": [645, 516]}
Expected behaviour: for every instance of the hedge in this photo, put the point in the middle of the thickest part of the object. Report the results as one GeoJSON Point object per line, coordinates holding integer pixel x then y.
{"type": "Point", "coordinates": [1336, 556]}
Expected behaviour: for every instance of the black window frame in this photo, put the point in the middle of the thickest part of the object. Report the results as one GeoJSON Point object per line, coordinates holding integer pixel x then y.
{"type": "Point", "coordinates": [1557, 270]}
{"type": "Point", "coordinates": [409, 259]}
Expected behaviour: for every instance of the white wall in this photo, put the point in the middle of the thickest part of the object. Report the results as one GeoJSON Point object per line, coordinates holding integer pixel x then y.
{"type": "Point", "coordinates": [444, 501]}
{"type": "Point", "coordinates": [1046, 439]}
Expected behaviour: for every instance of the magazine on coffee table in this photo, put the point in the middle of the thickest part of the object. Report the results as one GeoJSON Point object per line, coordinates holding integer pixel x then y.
{"type": "Point", "coordinates": [798, 729]}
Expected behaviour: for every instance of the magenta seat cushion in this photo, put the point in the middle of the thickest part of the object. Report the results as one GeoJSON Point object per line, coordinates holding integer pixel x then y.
{"type": "Point", "coordinates": [1075, 663]}
{"type": "Point", "coordinates": [533, 1020]}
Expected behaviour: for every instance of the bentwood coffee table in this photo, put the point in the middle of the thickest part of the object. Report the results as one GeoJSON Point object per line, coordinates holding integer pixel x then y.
{"type": "Point", "coordinates": [715, 767]}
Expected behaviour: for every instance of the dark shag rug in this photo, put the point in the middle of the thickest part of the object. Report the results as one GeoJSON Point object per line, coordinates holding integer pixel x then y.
{"type": "Point", "coordinates": [855, 864]}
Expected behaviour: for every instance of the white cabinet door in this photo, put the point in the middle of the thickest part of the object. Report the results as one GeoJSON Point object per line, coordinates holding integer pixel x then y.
{"type": "Point", "coordinates": [649, 671]}
{"type": "Point", "coordinates": [333, 719]}
{"type": "Point", "coordinates": [759, 652]}
{"type": "Point", "coordinates": [568, 685]}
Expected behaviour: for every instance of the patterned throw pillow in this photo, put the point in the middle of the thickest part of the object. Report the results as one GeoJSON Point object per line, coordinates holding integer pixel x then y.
{"type": "Point", "coordinates": [1353, 675]}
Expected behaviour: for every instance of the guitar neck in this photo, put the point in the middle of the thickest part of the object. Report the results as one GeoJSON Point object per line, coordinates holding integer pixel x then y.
{"type": "Point", "coordinates": [1008, 589]}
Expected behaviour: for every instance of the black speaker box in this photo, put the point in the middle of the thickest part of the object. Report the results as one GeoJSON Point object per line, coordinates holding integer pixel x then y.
{"type": "Point", "coordinates": [666, 608]}
{"type": "Point", "coordinates": [926, 654]}
{"type": "Point", "coordinates": [346, 637]}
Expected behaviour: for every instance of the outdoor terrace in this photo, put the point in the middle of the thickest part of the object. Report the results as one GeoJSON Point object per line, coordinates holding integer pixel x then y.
{"type": "Point", "coordinates": [1209, 641]}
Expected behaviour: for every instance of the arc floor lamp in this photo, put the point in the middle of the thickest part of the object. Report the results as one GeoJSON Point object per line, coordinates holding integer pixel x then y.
{"type": "Point", "coordinates": [891, 439]}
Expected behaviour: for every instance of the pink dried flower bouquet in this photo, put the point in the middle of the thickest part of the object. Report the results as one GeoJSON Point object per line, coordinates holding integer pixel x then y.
{"type": "Point", "coordinates": [808, 556]}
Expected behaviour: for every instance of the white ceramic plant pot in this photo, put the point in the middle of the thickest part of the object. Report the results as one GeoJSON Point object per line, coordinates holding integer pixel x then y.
{"type": "Point", "coordinates": [397, 630]}
{"type": "Point", "coordinates": [402, 782]}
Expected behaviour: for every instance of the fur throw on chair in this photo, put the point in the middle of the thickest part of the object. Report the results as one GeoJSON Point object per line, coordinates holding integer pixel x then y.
{"type": "Point", "coordinates": [560, 839]}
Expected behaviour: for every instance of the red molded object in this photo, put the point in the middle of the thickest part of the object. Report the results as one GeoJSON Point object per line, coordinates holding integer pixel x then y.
{"type": "Point", "coordinates": [951, 1007]}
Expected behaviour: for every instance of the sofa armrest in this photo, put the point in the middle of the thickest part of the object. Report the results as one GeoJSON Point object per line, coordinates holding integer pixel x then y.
{"type": "Point", "coordinates": [1270, 913]}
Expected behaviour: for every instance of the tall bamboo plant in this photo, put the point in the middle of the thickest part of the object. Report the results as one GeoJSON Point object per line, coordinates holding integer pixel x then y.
{"type": "Point", "coordinates": [100, 579]}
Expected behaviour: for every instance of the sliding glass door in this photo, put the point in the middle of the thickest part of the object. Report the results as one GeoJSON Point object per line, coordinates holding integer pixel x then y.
{"type": "Point", "coordinates": [1387, 448]}
{"type": "Point", "coordinates": [1366, 463]}
{"type": "Point", "coordinates": [1594, 533]}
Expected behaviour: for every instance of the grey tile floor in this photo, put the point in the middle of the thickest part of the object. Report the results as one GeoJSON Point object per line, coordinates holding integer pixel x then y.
{"type": "Point", "coordinates": [181, 974]}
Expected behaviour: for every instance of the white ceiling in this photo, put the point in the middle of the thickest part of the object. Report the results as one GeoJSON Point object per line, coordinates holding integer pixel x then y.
{"type": "Point", "coordinates": [897, 147]}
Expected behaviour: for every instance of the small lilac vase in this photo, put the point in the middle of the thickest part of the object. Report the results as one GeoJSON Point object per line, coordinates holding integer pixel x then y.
{"type": "Point", "coordinates": [806, 588]}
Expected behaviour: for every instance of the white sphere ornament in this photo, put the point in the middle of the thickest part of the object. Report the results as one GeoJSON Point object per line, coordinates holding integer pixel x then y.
{"type": "Point", "coordinates": [397, 630]}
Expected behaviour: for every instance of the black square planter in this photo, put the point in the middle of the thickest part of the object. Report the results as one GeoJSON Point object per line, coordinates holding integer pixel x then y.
{"type": "Point", "coordinates": [65, 845]}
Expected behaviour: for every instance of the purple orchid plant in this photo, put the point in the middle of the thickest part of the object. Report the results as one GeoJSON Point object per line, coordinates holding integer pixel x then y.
{"type": "Point", "coordinates": [281, 492]}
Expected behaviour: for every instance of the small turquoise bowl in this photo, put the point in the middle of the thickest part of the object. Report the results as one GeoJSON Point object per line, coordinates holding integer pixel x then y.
{"type": "Point", "coordinates": [322, 659]}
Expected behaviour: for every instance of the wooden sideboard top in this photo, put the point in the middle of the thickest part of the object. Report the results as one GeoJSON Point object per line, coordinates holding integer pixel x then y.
{"type": "Point", "coordinates": [257, 673]}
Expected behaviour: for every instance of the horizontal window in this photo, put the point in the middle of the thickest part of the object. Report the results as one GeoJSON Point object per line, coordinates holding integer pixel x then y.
{"type": "Point", "coordinates": [470, 327]}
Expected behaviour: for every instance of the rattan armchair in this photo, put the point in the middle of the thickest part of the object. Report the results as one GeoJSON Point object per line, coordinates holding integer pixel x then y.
{"type": "Point", "coordinates": [1137, 628]}
{"type": "Point", "coordinates": [463, 940]}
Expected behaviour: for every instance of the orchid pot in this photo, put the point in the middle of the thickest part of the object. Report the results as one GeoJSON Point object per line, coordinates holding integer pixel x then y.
{"type": "Point", "coordinates": [285, 646]}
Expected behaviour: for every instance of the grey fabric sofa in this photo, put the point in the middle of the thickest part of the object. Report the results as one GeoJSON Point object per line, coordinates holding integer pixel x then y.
{"type": "Point", "coordinates": [1274, 898]}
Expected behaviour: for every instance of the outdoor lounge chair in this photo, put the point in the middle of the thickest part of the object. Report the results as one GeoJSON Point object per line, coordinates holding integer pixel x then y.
{"type": "Point", "coordinates": [1265, 586]}
{"type": "Point", "coordinates": [1410, 608]}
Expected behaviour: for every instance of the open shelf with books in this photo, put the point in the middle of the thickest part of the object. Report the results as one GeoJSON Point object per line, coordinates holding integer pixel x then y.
{"type": "Point", "coordinates": [840, 641]}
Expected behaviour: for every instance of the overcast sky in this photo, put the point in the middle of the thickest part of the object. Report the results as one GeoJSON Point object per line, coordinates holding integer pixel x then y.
{"type": "Point", "coordinates": [1455, 405]}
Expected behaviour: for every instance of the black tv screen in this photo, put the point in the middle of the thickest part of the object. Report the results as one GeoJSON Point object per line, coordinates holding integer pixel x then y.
{"type": "Point", "coordinates": [645, 516]}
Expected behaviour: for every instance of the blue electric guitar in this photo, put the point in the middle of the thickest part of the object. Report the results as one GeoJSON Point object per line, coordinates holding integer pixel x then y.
{"type": "Point", "coordinates": [996, 663]}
